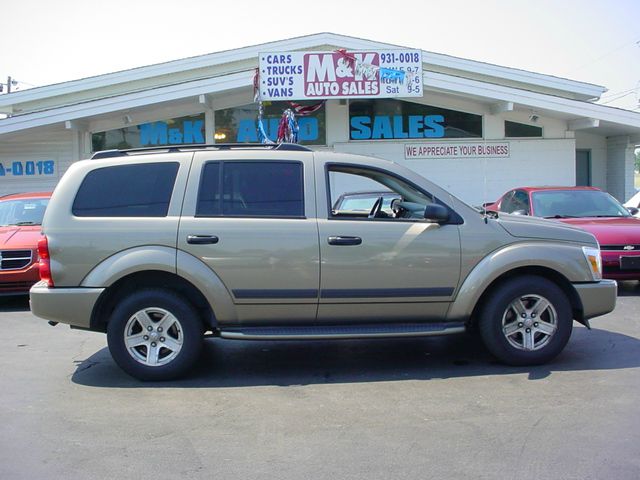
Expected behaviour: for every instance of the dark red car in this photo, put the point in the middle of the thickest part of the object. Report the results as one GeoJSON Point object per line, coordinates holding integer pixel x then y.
{"type": "Point", "coordinates": [20, 222]}
{"type": "Point", "coordinates": [591, 209]}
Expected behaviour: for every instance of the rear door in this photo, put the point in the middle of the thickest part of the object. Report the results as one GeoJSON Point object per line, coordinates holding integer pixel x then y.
{"type": "Point", "coordinates": [252, 221]}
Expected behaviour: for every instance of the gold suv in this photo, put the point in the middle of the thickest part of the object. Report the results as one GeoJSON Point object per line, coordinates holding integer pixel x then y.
{"type": "Point", "coordinates": [158, 247]}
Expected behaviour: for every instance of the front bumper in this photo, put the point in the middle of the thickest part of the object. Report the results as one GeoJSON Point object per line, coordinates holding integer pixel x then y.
{"type": "Point", "coordinates": [18, 282]}
{"type": "Point", "coordinates": [612, 267]}
{"type": "Point", "coordinates": [597, 298]}
{"type": "Point", "coordinates": [72, 306]}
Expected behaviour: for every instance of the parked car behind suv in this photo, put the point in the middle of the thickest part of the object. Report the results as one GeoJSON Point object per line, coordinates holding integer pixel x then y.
{"type": "Point", "coordinates": [589, 208]}
{"type": "Point", "coordinates": [157, 247]}
{"type": "Point", "coordinates": [20, 219]}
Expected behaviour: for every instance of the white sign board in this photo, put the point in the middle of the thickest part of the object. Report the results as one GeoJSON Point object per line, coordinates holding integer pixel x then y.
{"type": "Point", "coordinates": [432, 150]}
{"type": "Point", "coordinates": [340, 74]}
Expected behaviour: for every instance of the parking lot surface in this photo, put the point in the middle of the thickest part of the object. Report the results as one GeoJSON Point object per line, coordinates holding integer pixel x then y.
{"type": "Point", "coordinates": [434, 408]}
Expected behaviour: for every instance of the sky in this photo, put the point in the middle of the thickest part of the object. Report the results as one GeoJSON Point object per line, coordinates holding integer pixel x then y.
{"type": "Point", "coordinates": [51, 41]}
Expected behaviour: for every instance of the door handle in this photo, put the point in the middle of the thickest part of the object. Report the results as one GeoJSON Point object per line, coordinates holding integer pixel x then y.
{"type": "Point", "coordinates": [201, 239]}
{"type": "Point", "coordinates": [338, 240]}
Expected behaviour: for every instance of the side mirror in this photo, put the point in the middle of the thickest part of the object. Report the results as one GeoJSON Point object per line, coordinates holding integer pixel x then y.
{"type": "Point", "coordinates": [436, 213]}
{"type": "Point", "coordinates": [633, 210]}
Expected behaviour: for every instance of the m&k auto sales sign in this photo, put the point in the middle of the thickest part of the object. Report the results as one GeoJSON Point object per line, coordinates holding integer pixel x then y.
{"type": "Point", "coordinates": [340, 74]}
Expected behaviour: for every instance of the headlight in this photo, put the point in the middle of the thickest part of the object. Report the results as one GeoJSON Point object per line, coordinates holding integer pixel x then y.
{"type": "Point", "coordinates": [592, 255]}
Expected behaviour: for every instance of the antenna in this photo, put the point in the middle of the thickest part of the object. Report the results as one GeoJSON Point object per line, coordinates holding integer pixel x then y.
{"type": "Point", "coordinates": [484, 189]}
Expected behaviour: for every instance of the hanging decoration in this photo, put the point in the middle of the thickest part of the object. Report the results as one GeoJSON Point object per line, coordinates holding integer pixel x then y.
{"type": "Point", "coordinates": [262, 135]}
{"type": "Point", "coordinates": [288, 126]}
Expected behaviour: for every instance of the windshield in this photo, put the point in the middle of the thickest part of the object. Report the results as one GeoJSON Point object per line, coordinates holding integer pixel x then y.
{"type": "Point", "coordinates": [576, 203]}
{"type": "Point", "coordinates": [26, 211]}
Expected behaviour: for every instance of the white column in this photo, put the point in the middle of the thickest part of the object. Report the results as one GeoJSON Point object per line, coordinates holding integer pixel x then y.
{"type": "Point", "coordinates": [337, 122]}
{"type": "Point", "coordinates": [620, 167]}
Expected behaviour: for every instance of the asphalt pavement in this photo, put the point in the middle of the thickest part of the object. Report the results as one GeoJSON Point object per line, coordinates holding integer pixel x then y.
{"type": "Point", "coordinates": [434, 408]}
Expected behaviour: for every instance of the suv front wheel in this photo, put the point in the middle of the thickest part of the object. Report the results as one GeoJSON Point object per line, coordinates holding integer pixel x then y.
{"type": "Point", "coordinates": [155, 334]}
{"type": "Point", "coordinates": [526, 321]}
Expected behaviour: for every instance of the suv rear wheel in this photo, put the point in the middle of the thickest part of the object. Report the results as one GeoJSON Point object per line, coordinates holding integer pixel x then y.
{"type": "Point", "coordinates": [526, 321]}
{"type": "Point", "coordinates": [155, 334]}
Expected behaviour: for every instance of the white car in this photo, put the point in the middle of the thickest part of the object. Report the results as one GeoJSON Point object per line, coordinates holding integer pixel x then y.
{"type": "Point", "coordinates": [634, 202]}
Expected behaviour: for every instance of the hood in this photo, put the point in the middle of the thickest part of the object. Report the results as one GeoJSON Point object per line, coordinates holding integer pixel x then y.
{"type": "Point", "coordinates": [609, 230]}
{"type": "Point", "coordinates": [19, 237]}
{"type": "Point", "coordinates": [523, 226]}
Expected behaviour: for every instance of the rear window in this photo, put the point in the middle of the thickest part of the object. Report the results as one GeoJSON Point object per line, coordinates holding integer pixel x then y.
{"type": "Point", "coordinates": [141, 190]}
{"type": "Point", "coordinates": [251, 189]}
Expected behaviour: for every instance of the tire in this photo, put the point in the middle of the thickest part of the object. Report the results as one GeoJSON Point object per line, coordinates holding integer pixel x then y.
{"type": "Point", "coordinates": [526, 321]}
{"type": "Point", "coordinates": [155, 335]}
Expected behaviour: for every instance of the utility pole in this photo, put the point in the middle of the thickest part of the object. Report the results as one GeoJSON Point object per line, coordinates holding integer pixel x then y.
{"type": "Point", "coordinates": [10, 83]}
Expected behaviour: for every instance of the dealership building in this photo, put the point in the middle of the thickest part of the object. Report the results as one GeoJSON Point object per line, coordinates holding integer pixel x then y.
{"type": "Point", "coordinates": [474, 128]}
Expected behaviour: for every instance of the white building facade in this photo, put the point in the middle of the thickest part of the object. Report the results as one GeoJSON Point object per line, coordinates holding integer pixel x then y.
{"type": "Point", "coordinates": [478, 129]}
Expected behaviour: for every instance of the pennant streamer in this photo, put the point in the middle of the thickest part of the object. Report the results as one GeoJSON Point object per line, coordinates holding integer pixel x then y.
{"type": "Point", "coordinates": [288, 128]}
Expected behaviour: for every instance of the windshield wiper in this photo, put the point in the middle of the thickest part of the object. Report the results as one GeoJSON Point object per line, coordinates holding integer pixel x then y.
{"type": "Point", "coordinates": [562, 216]}
{"type": "Point", "coordinates": [23, 224]}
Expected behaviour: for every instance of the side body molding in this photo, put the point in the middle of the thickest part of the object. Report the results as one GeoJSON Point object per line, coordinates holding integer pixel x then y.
{"type": "Point", "coordinates": [565, 259]}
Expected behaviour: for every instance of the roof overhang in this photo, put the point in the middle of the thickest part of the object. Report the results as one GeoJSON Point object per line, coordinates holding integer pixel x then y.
{"type": "Point", "coordinates": [580, 115]}
{"type": "Point", "coordinates": [432, 61]}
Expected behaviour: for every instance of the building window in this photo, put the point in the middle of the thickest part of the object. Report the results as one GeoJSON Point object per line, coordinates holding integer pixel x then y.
{"type": "Point", "coordinates": [251, 189]}
{"type": "Point", "coordinates": [175, 131]}
{"type": "Point", "coordinates": [239, 124]}
{"type": "Point", "coordinates": [515, 129]}
{"type": "Point", "coordinates": [141, 190]}
{"type": "Point", "coordinates": [388, 119]}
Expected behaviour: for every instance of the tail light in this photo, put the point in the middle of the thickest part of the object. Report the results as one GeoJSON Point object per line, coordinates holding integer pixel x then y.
{"type": "Point", "coordinates": [44, 265]}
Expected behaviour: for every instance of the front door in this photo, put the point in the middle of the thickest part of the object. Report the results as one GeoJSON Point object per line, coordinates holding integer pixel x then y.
{"type": "Point", "coordinates": [384, 265]}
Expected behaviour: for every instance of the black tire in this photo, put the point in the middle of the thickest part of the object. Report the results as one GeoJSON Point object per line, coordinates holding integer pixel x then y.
{"type": "Point", "coordinates": [530, 339]}
{"type": "Point", "coordinates": [159, 353]}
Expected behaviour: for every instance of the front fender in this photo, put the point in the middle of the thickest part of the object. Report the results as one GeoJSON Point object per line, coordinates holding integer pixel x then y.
{"type": "Point", "coordinates": [565, 259]}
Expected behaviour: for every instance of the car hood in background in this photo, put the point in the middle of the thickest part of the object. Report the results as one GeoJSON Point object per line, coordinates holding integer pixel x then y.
{"type": "Point", "coordinates": [19, 237]}
{"type": "Point", "coordinates": [609, 230]}
{"type": "Point", "coordinates": [532, 227]}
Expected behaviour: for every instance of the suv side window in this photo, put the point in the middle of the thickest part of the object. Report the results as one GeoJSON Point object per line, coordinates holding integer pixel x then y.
{"type": "Point", "coordinates": [140, 190]}
{"type": "Point", "coordinates": [251, 189]}
{"type": "Point", "coordinates": [354, 191]}
{"type": "Point", "coordinates": [521, 199]}
{"type": "Point", "coordinates": [507, 205]}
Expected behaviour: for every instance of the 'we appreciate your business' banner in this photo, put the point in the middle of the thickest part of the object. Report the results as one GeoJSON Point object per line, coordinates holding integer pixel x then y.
{"type": "Point", "coordinates": [340, 74]}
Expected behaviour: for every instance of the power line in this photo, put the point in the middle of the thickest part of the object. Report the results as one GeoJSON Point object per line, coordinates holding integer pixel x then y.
{"type": "Point", "coordinates": [617, 98]}
{"type": "Point", "coordinates": [635, 41]}
{"type": "Point", "coordinates": [615, 94]}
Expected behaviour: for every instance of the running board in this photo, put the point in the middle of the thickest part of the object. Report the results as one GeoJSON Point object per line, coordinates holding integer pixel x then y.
{"type": "Point", "coordinates": [327, 332]}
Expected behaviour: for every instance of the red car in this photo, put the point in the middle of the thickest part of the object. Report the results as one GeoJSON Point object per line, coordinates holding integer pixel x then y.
{"type": "Point", "coordinates": [591, 209]}
{"type": "Point", "coordinates": [20, 220]}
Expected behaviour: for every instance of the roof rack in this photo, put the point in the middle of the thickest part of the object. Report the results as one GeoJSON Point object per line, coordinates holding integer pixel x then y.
{"type": "Point", "coordinates": [188, 147]}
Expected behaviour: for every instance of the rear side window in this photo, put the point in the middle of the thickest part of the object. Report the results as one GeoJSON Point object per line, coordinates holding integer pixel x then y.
{"type": "Point", "coordinates": [142, 190]}
{"type": "Point", "coordinates": [251, 189]}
